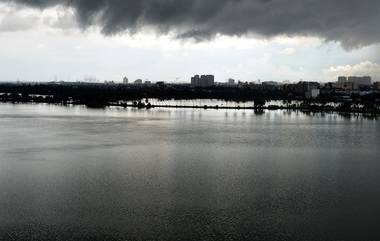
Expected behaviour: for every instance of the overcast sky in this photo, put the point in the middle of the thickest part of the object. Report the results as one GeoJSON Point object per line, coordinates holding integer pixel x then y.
{"type": "Point", "coordinates": [171, 40]}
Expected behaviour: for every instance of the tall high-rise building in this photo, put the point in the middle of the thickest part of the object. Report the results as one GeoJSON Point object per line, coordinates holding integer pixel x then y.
{"type": "Point", "coordinates": [364, 80]}
{"type": "Point", "coordinates": [202, 81]}
{"type": "Point", "coordinates": [125, 80]}
{"type": "Point", "coordinates": [377, 85]}
{"type": "Point", "coordinates": [353, 82]}
{"type": "Point", "coordinates": [138, 82]}
{"type": "Point", "coordinates": [342, 79]}
{"type": "Point", "coordinates": [195, 80]}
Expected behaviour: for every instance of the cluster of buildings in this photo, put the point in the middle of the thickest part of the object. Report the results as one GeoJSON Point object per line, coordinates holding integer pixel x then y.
{"type": "Point", "coordinates": [352, 82]}
{"type": "Point", "coordinates": [203, 81]}
{"type": "Point", "coordinates": [136, 82]}
{"type": "Point", "coordinates": [196, 81]}
{"type": "Point", "coordinates": [343, 85]}
{"type": "Point", "coordinates": [308, 89]}
{"type": "Point", "coordinates": [141, 82]}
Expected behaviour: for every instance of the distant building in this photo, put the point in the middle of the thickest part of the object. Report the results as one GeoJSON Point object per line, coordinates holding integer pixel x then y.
{"type": "Point", "coordinates": [195, 80]}
{"type": "Point", "coordinates": [160, 83]}
{"type": "Point", "coordinates": [360, 81]}
{"type": "Point", "coordinates": [269, 85]}
{"type": "Point", "coordinates": [342, 79]}
{"type": "Point", "coordinates": [353, 82]}
{"type": "Point", "coordinates": [377, 85]}
{"type": "Point", "coordinates": [312, 93]}
{"type": "Point", "coordinates": [109, 82]}
{"type": "Point", "coordinates": [344, 85]}
{"type": "Point", "coordinates": [203, 81]}
{"type": "Point", "coordinates": [272, 83]}
{"type": "Point", "coordinates": [303, 86]}
{"type": "Point", "coordinates": [138, 82]}
{"type": "Point", "coordinates": [231, 82]}
{"type": "Point", "coordinates": [242, 84]}
{"type": "Point", "coordinates": [125, 80]}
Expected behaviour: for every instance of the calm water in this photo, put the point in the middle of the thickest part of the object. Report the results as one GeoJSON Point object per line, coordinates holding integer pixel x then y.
{"type": "Point", "coordinates": [71, 173]}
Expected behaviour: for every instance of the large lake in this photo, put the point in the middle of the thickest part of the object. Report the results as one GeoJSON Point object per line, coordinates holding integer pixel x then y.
{"type": "Point", "coordinates": [72, 173]}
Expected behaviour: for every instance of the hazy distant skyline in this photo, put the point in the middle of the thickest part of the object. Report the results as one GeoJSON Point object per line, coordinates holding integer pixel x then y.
{"type": "Point", "coordinates": [164, 40]}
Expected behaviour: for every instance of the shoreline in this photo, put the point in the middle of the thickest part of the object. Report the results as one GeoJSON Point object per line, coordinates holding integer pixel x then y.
{"type": "Point", "coordinates": [258, 109]}
{"type": "Point", "coordinates": [148, 106]}
{"type": "Point", "coordinates": [255, 98]}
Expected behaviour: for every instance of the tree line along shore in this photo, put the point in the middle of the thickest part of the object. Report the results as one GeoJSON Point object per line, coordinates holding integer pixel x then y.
{"type": "Point", "coordinates": [102, 95]}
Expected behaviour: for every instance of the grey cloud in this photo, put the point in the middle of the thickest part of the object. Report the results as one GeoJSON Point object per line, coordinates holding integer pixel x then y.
{"type": "Point", "coordinates": [12, 22]}
{"type": "Point", "coordinates": [354, 23]}
{"type": "Point", "coordinates": [64, 20]}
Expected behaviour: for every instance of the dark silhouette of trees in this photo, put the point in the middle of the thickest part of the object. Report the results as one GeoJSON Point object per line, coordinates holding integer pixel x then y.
{"type": "Point", "coordinates": [259, 102]}
{"type": "Point", "coordinates": [101, 95]}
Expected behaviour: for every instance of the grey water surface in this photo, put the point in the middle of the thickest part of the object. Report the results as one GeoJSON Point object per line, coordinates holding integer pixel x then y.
{"type": "Point", "coordinates": [72, 173]}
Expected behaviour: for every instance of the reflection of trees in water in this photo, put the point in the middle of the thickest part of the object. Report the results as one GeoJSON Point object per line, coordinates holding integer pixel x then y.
{"type": "Point", "coordinates": [100, 95]}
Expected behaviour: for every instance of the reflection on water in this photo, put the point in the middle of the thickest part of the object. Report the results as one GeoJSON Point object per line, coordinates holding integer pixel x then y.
{"type": "Point", "coordinates": [216, 102]}
{"type": "Point", "coordinates": [71, 173]}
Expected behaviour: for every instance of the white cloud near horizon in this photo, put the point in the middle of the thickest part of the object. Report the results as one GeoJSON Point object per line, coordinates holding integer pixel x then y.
{"type": "Point", "coordinates": [289, 51]}
{"type": "Point", "coordinates": [366, 68]}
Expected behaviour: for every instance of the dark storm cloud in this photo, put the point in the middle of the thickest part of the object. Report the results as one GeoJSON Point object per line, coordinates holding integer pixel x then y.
{"type": "Point", "coordinates": [354, 23]}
